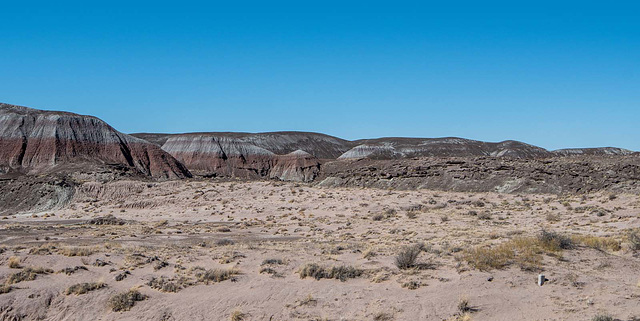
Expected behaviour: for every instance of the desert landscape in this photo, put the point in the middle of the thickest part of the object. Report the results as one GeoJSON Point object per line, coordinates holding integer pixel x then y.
{"type": "Point", "coordinates": [100, 225]}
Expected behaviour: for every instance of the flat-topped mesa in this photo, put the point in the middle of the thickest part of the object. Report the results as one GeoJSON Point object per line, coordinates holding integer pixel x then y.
{"type": "Point", "coordinates": [396, 148]}
{"type": "Point", "coordinates": [209, 154]}
{"type": "Point", "coordinates": [37, 141]}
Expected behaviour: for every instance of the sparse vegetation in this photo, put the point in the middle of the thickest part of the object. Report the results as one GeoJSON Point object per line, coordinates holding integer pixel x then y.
{"type": "Point", "coordinates": [407, 257]}
{"type": "Point", "coordinates": [318, 272]}
{"type": "Point", "coordinates": [411, 285]}
{"type": "Point", "coordinates": [237, 315]}
{"type": "Point", "coordinates": [82, 288]}
{"type": "Point", "coordinates": [382, 316]}
{"type": "Point", "coordinates": [378, 217]}
{"type": "Point", "coordinates": [69, 271]}
{"type": "Point", "coordinates": [598, 243]}
{"type": "Point", "coordinates": [272, 262]}
{"type": "Point", "coordinates": [634, 240]}
{"type": "Point", "coordinates": [602, 317]}
{"type": "Point", "coordinates": [464, 306]}
{"type": "Point", "coordinates": [164, 285]}
{"type": "Point", "coordinates": [14, 262]}
{"type": "Point", "coordinates": [126, 300]}
{"type": "Point", "coordinates": [5, 288]}
{"type": "Point", "coordinates": [553, 241]}
{"type": "Point", "coordinates": [224, 242]}
{"type": "Point", "coordinates": [27, 274]}
{"type": "Point", "coordinates": [216, 275]}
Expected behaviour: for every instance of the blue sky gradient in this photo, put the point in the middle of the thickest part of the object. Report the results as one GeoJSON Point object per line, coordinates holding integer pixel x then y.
{"type": "Point", "coordinates": [547, 73]}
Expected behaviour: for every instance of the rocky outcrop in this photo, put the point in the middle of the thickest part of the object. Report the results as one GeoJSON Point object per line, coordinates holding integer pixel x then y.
{"type": "Point", "coordinates": [36, 141]}
{"type": "Point", "coordinates": [296, 166]}
{"type": "Point", "coordinates": [396, 148]}
{"type": "Point", "coordinates": [601, 151]}
{"type": "Point", "coordinates": [489, 174]}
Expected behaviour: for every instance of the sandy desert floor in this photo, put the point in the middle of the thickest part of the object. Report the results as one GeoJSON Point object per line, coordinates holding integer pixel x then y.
{"type": "Point", "coordinates": [195, 250]}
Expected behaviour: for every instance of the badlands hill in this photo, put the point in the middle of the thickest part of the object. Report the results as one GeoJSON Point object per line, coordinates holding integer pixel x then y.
{"type": "Point", "coordinates": [397, 147]}
{"type": "Point", "coordinates": [325, 147]}
{"type": "Point", "coordinates": [36, 141]}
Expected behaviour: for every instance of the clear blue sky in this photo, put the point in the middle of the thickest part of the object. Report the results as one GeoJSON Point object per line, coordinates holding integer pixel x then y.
{"type": "Point", "coordinates": [550, 73]}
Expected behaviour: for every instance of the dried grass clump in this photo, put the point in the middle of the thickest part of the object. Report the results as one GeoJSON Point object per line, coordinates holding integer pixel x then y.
{"type": "Point", "coordinates": [82, 288]}
{"type": "Point", "coordinates": [216, 275]}
{"type": "Point", "coordinates": [126, 300]}
{"type": "Point", "coordinates": [342, 272]}
{"type": "Point", "coordinates": [14, 262]}
{"type": "Point", "coordinates": [598, 242]}
{"type": "Point", "coordinates": [525, 252]}
{"type": "Point", "coordinates": [43, 249]}
{"type": "Point", "coordinates": [237, 315]}
{"type": "Point", "coordinates": [28, 274]}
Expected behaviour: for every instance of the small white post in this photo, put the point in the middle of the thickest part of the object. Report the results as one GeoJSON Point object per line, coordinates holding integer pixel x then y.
{"type": "Point", "coordinates": [541, 279]}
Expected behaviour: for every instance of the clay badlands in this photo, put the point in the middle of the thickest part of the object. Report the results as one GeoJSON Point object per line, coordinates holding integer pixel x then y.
{"type": "Point", "coordinates": [101, 225]}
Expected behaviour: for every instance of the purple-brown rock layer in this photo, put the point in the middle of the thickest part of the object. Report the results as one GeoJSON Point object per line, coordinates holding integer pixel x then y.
{"type": "Point", "coordinates": [35, 141]}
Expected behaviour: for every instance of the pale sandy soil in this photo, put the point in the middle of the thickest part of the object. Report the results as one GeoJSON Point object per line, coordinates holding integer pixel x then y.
{"type": "Point", "coordinates": [176, 226]}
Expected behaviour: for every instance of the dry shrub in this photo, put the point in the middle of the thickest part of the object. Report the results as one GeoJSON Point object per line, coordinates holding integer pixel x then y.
{"type": "Point", "coordinates": [554, 242]}
{"type": "Point", "coordinates": [634, 240]}
{"type": "Point", "coordinates": [603, 317]}
{"type": "Point", "coordinates": [272, 262]}
{"type": "Point", "coordinates": [412, 214]}
{"type": "Point", "coordinates": [82, 288]}
{"type": "Point", "coordinates": [318, 272]}
{"type": "Point", "coordinates": [224, 242]}
{"type": "Point", "coordinates": [5, 289]}
{"type": "Point", "coordinates": [69, 270]}
{"type": "Point", "coordinates": [28, 274]}
{"type": "Point", "coordinates": [106, 220]}
{"type": "Point", "coordinates": [378, 217]}
{"type": "Point", "coordinates": [407, 257]}
{"type": "Point", "coordinates": [126, 300]}
{"type": "Point", "coordinates": [382, 316]}
{"type": "Point", "coordinates": [163, 284]}
{"type": "Point", "coordinates": [411, 285]}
